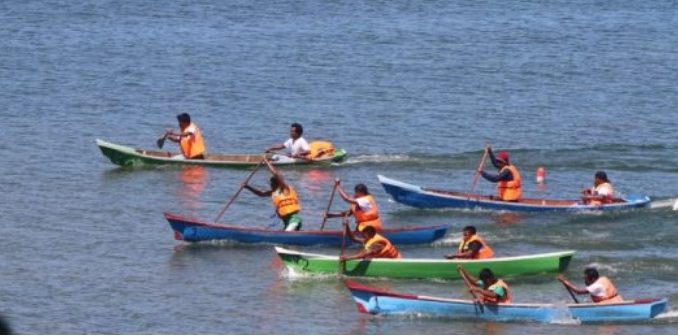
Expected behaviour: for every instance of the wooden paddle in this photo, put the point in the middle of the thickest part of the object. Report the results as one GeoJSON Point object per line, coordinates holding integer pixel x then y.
{"type": "Point", "coordinates": [477, 175]}
{"type": "Point", "coordinates": [329, 204]}
{"type": "Point", "coordinates": [342, 263]}
{"type": "Point", "coordinates": [242, 185]}
{"type": "Point", "coordinates": [467, 281]}
{"type": "Point", "coordinates": [161, 140]}
{"type": "Point", "coordinates": [570, 291]}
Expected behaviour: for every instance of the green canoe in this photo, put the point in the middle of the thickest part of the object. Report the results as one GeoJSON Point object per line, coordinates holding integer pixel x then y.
{"type": "Point", "coordinates": [300, 262]}
{"type": "Point", "coordinates": [128, 156]}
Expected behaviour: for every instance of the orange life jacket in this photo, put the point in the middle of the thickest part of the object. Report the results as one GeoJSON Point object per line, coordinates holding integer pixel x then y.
{"type": "Point", "coordinates": [485, 251]}
{"type": "Point", "coordinates": [388, 251]}
{"type": "Point", "coordinates": [192, 146]}
{"type": "Point", "coordinates": [285, 201]}
{"type": "Point", "coordinates": [510, 190]}
{"type": "Point", "coordinates": [507, 294]}
{"type": "Point", "coordinates": [610, 296]}
{"type": "Point", "coordinates": [321, 149]}
{"type": "Point", "coordinates": [368, 217]}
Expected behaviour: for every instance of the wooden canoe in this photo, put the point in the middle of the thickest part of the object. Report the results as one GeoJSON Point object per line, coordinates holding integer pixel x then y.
{"type": "Point", "coordinates": [128, 156]}
{"type": "Point", "coordinates": [381, 302]}
{"type": "Point", "coordinates": [193, 230]}
{"type": "Point", "coordinates": [430, 198]}
{"type": "Point", "coordinates": [411, 268]}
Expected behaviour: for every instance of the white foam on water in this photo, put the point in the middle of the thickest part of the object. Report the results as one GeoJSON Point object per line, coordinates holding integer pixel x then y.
{"type": "Point", "coordinates": [292, 275]}
{"type": "Point", "coordinates": [378, 158]}
{"type": "Point", "coordinates": [669, 315]}
{"type": "Point", "coordinates": [446, 241]}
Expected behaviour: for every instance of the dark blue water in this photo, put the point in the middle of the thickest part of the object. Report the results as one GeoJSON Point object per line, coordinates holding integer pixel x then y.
{"type": "Point", "coordinates": [411, 90]}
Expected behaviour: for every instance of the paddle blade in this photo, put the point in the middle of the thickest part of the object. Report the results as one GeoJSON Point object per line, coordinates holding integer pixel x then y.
{"type": "Point", "coordinates": [160, 142]}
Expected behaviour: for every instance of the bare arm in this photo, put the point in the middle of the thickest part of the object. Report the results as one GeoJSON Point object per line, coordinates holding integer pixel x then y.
{"type": "Point", "coordinates": [346, 197]}
{"type": "Point", "coordinates": [258, 192]}
{"type": "Point", "coordinates": [572, 287]}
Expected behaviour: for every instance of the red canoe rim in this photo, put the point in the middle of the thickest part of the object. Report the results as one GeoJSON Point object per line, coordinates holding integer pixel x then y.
{"type": "Point", "coordinates": [352, 285]}
{"type": "Point", "coordinates": [196, 222]}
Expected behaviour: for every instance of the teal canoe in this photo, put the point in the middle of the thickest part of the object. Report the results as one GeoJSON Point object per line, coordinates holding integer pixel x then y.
{"type": "Point", "coordinates": [128, 156]}
{"type": "Point", "coordinates": [411, 268]}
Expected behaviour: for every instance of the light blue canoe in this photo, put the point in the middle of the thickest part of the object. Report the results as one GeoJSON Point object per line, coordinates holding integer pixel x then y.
{"type": "Point", "coordinates": [379, 302]}
{"type": "Point", "coordinates": [429, 198]}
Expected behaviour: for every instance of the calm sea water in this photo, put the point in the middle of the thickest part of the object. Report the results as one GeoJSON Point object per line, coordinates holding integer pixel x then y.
{"type": "Point", "coordinates": [412, 91]}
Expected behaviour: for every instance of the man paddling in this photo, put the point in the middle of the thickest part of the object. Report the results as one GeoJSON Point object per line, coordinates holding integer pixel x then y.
{"type": "Point", "coordinates": [487, 289]}
{"type": "Point", "coordinates": [363, 207]}
{"type": "Point", "coordinates": [599, 287]}
{"type": "Point", "coordinates": [189, 138]}
{"type": "Point", "coordinates": [374, 245]}
{"type": "Point", "coordinates": [471, 246]}
{"type": "Point", "coordinates": [285, 200]}
{"type": "Point", "coordinates": [296, 146]}
{"type": "Point", "coordinates": [508, 180]}
{"type": "Point", "coordinates": [602, 191]}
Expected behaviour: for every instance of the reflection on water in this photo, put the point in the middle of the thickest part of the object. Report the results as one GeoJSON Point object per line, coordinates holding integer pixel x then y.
{"type": "Point", "coordinates": [508, 218]}
{"type": "Point", "coordinates": [193, 180]}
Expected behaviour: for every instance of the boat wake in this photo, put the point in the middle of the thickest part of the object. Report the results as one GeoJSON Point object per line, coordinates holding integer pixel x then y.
{"type": "Point", "coordinates": [293, 275]}
{"type": "Point", "coordinates": [378, 158]}
{"type": "Point", "coordinates": [671, 315]}
{"type": "Point", "coordinates": [446, 242]}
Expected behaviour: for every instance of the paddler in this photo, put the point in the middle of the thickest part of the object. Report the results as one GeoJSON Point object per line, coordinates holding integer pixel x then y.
{"type": "Point", "coordinates": [602, 191]}
{"type": "Point", "coordinates": [508, 180]}
{"type": "Point", "coordinates": [471, 246]}
{"type": "Point", "coordinates": [488, 288]}
{"type": "Point", "coordinates": [296, 146]}
{"type": "Point", "coordinates": [599, 287]}
{"type": "Point", "coordinates": [374, 245]}
{"type": "Point", "coordinates": [284, 198]}
{"type": "Point", "coordinates": [363, 207]}
{"type": "Point", "coordinates": [189, 138]}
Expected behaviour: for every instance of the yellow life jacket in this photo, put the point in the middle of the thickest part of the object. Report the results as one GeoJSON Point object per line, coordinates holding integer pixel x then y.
{"type": "Point", "coordinates": [507, 294]}
{"type": "Point", "coordinates": [321, 149]}
{"type": "Point", "coordinates": [388, 251]}
{"type": "Point", "coordinates": [485, 251]}
{"type": "Point", "coordinates": [192, 146]}
{"type": "Point", "coordinates": [285, 201]}
{"type": "Point", "coordinates": [510, 190]}
{"type": "Point", "coordinates": [610, 296]}
{"type": "Point", "coordinates": [369, 217]}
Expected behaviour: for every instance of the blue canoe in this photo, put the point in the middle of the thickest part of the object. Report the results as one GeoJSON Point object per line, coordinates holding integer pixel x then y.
{"type": "Point", "coordinates": [429, 198]}
{"type": "Point", "coordinates": [376, 301]}
{"type": "Point", "coordinates": [193, 230]}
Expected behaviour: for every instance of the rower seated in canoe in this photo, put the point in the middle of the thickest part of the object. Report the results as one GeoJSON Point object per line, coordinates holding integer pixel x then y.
{"type": "Point", "coordinates": [374, 245]}
{"type": "Point", "coordinates": [599, 287]}
{"type": "Point", "coordinates": [508, 179]}
{"type": "Point", "coordinates": [363, 207]}
{"type": "Point", "coordinates": [297, 147]}
{"type": "Point", "coordinates": [602, 191]}
{"type": "Point", "coordinates": [471, 246]}
{"type": "Point", "coordinates": [284, 198]}
{"type": "Point", "coordinates": [487, 288]}
{"type": "Point", "coordinates": [189, 138]}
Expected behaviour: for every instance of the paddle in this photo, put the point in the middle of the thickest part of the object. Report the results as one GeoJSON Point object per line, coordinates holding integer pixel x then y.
{"type": "Point", "coordinates": [242, 185]}
{"type": "Point", "coordinates": [342, 263]}
{"type": "Point", "coordinates": [570, 291]}
{"type": "Point", "coordinates": [161, 140]}
{"type": "Point", "coordinates": [470, 286]}
{"type": "Point", "coordinates": [329, 204]}
{"type": "Point", "coordinates": [477, 175]}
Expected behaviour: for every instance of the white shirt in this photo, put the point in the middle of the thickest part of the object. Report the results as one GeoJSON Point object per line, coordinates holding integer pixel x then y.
{"type": "Point", "coordinates": [604, 189]}
{"type": "Point", "coordinates": [596, 289]}
{"type": "Point", "coordinates": [364, 204]}
{"type": "Point", "coordinates": [295, 147]}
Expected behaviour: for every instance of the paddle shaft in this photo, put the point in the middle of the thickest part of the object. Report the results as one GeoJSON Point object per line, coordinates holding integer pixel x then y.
{"type": "Point", "coordinates": [342, 263]}
{"type": "Point", "coordinates": [571, 294]}
{"type": "Point", "coordinates": [470, 286]}
{"type": "Point", "coordinates": [477, 175]}
{"type": "Point", "coordinates": [221, 213]}
{"type": "Point", "coordinates": [329, 204]}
